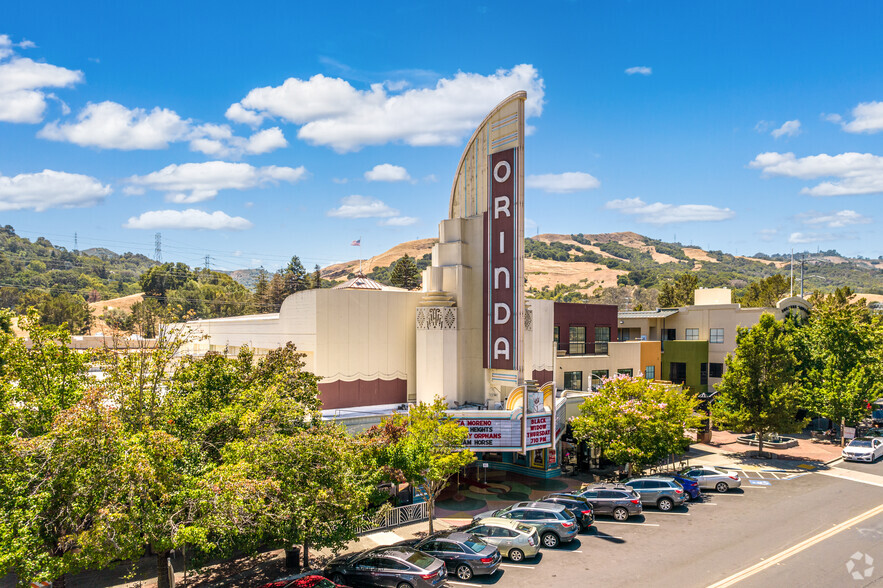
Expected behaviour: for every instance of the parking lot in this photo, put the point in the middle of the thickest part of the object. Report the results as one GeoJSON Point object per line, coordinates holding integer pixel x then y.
{"type": "Point", "coordinates": [719, 535]}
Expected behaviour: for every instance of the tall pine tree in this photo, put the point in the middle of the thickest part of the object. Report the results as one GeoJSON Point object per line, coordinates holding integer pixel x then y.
{"type": "Point", "coordinates": [405, 274]}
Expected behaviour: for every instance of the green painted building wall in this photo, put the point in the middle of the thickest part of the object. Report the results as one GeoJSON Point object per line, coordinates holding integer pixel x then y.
{"type": "Point", "coordinates": [691, 353]}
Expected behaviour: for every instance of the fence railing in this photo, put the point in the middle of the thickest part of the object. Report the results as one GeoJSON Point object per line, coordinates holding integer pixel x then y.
{"type": "Point", "coordinates": [394, 517]}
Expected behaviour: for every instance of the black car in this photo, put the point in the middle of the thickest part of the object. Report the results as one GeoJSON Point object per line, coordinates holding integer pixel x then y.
{"type": "Point", "coordinates": [464, 553]}
{"type": "Point", "coordinates": [579, 506]}
{"type": "Point", "coordinates": [393, 567]}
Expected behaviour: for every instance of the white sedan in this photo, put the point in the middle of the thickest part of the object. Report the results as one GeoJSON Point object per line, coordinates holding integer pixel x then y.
{"type": "Point", "coordinates": [713, 478]}
{"type": "Point", "coordinates": [863, 449]}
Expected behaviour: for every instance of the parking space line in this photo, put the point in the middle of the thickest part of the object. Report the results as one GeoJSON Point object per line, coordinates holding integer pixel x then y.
{"type": "Point", "coordinates": [705, 503]}
{"type": "Point", "coordinates": [518, 566]}
{"type": "Point", "coordinates": [463, 583]}
{"type": "Point", "coordinates": [629, 524]}
{"type": "Point", "coordinates": [680, 514]}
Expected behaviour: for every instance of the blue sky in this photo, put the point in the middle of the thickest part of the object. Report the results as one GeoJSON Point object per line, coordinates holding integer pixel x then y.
{"type": "Point", "coordinates": [254, 132]}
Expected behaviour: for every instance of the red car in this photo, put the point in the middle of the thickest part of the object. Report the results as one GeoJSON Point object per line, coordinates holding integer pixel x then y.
{"type": "Point", "coordinates": [310, 581]}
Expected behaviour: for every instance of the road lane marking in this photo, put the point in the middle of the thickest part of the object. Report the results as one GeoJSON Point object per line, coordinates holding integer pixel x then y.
{"type": "Point", "coordinates": [783, 555]}
{"type": "Point", "coordinates": [854, 476]}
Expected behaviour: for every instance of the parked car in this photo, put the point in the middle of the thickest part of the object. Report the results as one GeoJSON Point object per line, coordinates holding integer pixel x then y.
{"type": "Point", "coordinates": [709, 477]}
{"type": "Point", "coordinates": [616, 500]}
{"type": "Point", "coordinates": [863, 449]}
{"type": "Point", "coordinates": [664, 494]}
{"type": "Point", "coordinates": [553, 522]}
{"type": "Point", "coordinates": [464, 554]}
{"type": "Point", "coordinates": [877, 416]}
{"type": "Point", "coordinates": [579, 506]}
{"type": "Point", "coordinates": [304, 580]}
{"type": "Point", "coordinates": [395, 566]}
{"type": "Point", "coordinates": [690, 485]}
{"type": "Point", "coordinates": [514, 539]}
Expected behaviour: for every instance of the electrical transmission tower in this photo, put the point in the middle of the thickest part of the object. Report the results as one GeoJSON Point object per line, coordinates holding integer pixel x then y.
{"type": "Point", "coordinates": [76, 244]}
{"type": "Point", "coordinates": [208, 261]}
{"type": "Point", "coordinates": [157, 247]}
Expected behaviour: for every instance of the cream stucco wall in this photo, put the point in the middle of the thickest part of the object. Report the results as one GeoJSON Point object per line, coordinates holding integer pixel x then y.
{"type": "Point", "coordinates": [621, 355]}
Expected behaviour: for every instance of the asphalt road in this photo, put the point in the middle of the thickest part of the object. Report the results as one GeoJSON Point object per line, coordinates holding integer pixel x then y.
{"type": "Point", "coordinates": [735, 535]}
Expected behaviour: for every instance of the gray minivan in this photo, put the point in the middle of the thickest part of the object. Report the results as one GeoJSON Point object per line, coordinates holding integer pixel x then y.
{"type": "Point", "coordinates": [553, 522]}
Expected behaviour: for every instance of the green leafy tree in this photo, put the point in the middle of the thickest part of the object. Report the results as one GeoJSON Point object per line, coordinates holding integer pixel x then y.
{"type": "Point", "coordinates": [276, 293]}
{"type": "Point", "coordinates": [678, 293]}
{"type": "Point", "coordinates": [766, 292]}
{"type": "Point", "coordinates": [635, 421]}
{"type": "Point", "coordinates": [431, 452]}
{"type": "Point", "coordinates": [404, 274]}
{"type": "Point", "coordinates": [758, 391]}
{"type": "Point", "coordinates": [841, 352]}
{"type": "Point", "coordinates": [158, 280]}
{"type": "Point", "coordinates": [41, 376]}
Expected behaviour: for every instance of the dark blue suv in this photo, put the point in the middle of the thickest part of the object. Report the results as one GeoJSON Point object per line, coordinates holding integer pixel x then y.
{"type": "Point", "coordinates": [691, 485]}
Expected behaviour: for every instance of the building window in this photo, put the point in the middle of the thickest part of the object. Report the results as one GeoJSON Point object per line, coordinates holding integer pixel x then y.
{"type": "Point", "coordinates": [577, 341]}
{"type": "Point", "coordinates": [677, 373]}
{"type": "Point", "coordinates": [716, 336]}
{"type": "Point", "coordinates": [602, 338]}
{"type": "Point", "coordinates": [703, 374]}
{"type": "Point", "coordinates": [573, 380]}
{"type": "Point", "coordinates": [691, 334]}
{"type": "Point", "coordinates": [597, 375]}
{"type": "Point", "coordinates": [650, 372]}
{"type": "Point", "coordinates": [625, 372]}
{"type": "Point", "coordinates": [624, 335]}
{"type": "Point", "coordinates": [669, 334]}
{"type": "Point", "coordinates": [715, 370]}
{"type": "Point", "coordinates": [556, 336]}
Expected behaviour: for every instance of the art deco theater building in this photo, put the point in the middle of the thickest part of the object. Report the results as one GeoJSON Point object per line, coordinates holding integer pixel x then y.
{"type": "Point", "coordinates": [469, 336]}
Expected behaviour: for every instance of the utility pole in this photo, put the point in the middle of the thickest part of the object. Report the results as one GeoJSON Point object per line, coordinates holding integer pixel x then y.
{"type": "Point", "coordinates": [792, 271]}
{"type": "Point", "coordinates": [157, 247]}
{"type": "Point", "coordinates": [802, 259]}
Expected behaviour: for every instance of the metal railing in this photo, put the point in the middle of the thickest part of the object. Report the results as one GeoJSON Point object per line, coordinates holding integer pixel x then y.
{"type": "Point", "coordinates": [394, 517]}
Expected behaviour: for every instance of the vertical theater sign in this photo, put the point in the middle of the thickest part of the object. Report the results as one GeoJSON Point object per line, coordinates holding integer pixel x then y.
{"type": "Point", "coordinates": [501, 259]}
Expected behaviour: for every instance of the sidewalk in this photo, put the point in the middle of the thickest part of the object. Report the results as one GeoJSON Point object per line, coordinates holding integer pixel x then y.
{"type": "Point", "coordinates": [726, 451]}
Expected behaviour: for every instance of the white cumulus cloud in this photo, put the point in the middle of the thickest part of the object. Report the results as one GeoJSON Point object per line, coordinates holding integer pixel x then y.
{"type": "Point", "coordinates": [386, 172]}
{"type": "Point", "coordinates": [836, 219]}
{"type": "Point", "coordinates": [188, 219]}
{"type": "Point", "coordinates": [661, 214]}
{"type": "Point", "coordinates": [237, 113]}
{"type": "Point", "coordinates": [399, 221]}
{"type": "Point", "coordinates": [50, 189]}
{"type": "Point", "coordinates": [789, 128]}
{"type": "Point", "coordinates": [801, 238]}
{"type": "Point", "coordinates": [356, 206]}
{"type": "Point", "coordinates": [565, 183]}
{"type": "Point", "coordinates": [23, 80]}
{"type": "Point", "coordinates": [333, 113]}
{"type": "Point", "coordinates": [195, 182]}
{"type": "Point", "coordinates": [867, 117]}
{"type": "Point", "coordinates": [854, 173]}
{"type": "Point", "coordinates": [109, 125]}
{"type": "Point", "coordinates": [639, 69]}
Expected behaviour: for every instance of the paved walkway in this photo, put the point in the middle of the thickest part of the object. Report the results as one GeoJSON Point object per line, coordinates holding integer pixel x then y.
{"type": "Point", "coordinates": [725, 451]}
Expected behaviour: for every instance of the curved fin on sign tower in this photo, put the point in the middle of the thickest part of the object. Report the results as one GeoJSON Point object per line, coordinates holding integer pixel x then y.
{"type": "Point", "coordinates": [502, 129]}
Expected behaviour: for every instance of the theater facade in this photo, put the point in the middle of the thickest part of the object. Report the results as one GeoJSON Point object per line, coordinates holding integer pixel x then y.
{"type": "Point", "coordinates": [469, 336]}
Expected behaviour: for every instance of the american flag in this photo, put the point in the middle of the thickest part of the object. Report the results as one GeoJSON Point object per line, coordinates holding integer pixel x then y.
{"type": "Point", "coordinates": [357, 242]}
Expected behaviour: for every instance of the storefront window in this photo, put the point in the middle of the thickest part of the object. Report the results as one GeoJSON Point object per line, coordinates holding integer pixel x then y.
{"type": "Point", "coordinates": [573, 380]}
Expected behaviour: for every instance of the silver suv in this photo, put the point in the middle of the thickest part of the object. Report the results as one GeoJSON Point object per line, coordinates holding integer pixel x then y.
{"type": "Point", "coordinates": [553, 522]}
{"type": "Point", "coordinates": [663, 493]}
{"type": "Point", "coordinates": [616, 500]}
